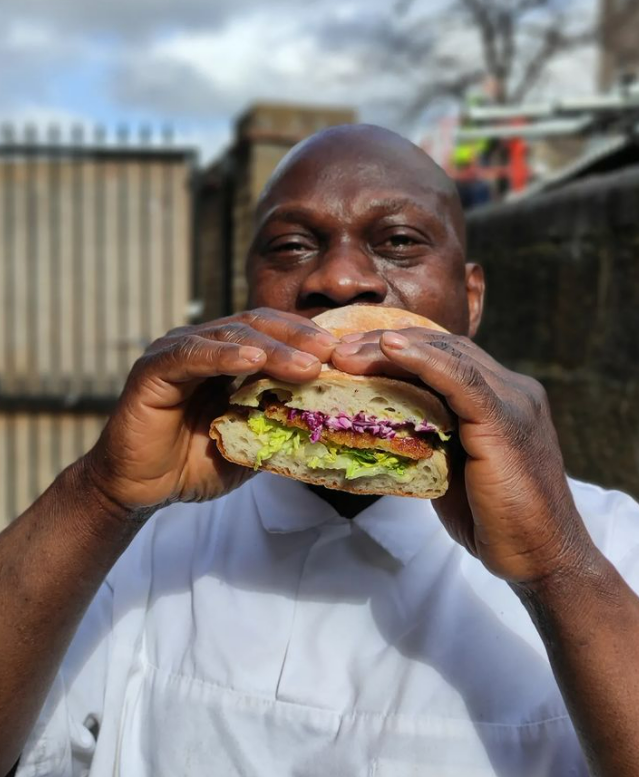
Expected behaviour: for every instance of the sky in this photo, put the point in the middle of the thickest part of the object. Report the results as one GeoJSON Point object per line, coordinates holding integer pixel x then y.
{"type": "Point", "coordinates": [196, 64]}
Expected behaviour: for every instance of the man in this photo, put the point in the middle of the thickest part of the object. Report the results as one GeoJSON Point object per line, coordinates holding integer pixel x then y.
{"type": "Point", "coordinates": [275, 630]}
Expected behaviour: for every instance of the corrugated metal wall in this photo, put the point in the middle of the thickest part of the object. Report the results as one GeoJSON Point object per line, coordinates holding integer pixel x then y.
{"type": "Point", "coordinates": [95, 262]}
{"type": "Point", "coordinates": [34, 447]}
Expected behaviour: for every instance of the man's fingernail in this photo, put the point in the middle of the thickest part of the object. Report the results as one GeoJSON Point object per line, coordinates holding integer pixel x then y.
{"type": "Point", "coordinates": [349, 349]}
{"type": "Point", "coordinates": [326, 339]}
{"type": "Point", "coordinates": [394, 340]}
{"type": "Point", "coordinates": [352, 338]}
{"type": "Point", "coordinates": [249, 354]}
{"type": "Point", "coordinates": [304, 359]}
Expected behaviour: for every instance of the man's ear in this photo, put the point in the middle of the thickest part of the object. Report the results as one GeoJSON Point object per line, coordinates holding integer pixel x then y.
{"type": "Point", "coordinates": [475, 289]}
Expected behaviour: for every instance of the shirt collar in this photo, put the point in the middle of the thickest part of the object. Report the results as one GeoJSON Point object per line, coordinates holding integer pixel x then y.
{"type": "Point", "coordinates": [400, 525]}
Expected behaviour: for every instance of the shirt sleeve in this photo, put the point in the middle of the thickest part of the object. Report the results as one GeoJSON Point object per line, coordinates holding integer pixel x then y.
{"type": "Point", "coordinates": [612, 520]}
{"type": "Point", "coordinates": [623, 547]}
{"type": "Point", "coordinates": [63, 740]}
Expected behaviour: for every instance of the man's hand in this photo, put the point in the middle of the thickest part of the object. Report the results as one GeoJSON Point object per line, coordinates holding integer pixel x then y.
{"type": "Point", "coordinates": [509, 503]}
{"type": "Point", "coordinates": [155, 448]}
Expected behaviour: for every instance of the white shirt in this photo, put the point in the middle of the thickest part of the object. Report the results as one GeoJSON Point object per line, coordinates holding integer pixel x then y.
{"type": "Point", "coordinates": [263, 634]}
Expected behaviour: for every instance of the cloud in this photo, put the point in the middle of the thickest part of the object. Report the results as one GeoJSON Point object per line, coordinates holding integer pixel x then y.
{"type": "Point", "coordinates": [124, 18]}
{"type": "Point", "coordinates": [219, 72]}
{"type": "Point", "coordinates": [27, 51]}
{"type": "Point", "coordinates": [164, 86]}
{"type": "Point", "coordinates": [197, 63]}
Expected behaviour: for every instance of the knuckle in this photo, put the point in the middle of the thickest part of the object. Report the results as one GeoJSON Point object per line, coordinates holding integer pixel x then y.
{"type": "Point", "coordinates": [235, 331]}
{"type": "Point", "coordinates": [538, 390]}
{"type": "Point", "coordinates": [257, 314]}
{"type": "Point", "coordinates": [537, 396]}
{"type": "Point", "coordinates": [157, 346]}
{"type": "Point", "coordinates": [142, 365]}
{"type": "Point", "coordinates": [178, 331]}
{"type": "Point", "coordinates": [468, 374]}
{"type": "Point", "coordinates": [149, 364]}
{"type": "Point", "coordinates": [143, 362]}
{"type": "Point", "coordinates": [187, 347]}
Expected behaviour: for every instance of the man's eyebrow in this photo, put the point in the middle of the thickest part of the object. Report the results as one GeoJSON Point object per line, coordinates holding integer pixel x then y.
{"type": "Point", "coordinates": [396, 204]}
{"type": "Point", "coordinates": [388, 205]}
{"type": "Point", "coordinates": [286, 214]}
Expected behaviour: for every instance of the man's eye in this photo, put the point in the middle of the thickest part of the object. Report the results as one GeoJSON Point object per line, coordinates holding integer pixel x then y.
{"type": "Point", "coordinates": [399, 241]}
{"type": "Point", "coordinates": [398, 246]}
{"type": "Point", "coordinates": [289, 245]}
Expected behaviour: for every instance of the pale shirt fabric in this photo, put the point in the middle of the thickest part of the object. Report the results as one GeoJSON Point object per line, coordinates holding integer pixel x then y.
{"type": "Point", "coordinates": [263, 634]}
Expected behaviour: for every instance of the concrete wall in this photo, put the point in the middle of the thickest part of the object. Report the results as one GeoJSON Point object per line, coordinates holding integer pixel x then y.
{"type": "Point", "coordinates": [563, 306]}
{"type": "Point", "coordinates": [619, 49]}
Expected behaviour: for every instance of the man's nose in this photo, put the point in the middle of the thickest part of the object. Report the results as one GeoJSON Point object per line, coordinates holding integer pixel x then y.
{"type": "Point", "coordinates": [344, 275]}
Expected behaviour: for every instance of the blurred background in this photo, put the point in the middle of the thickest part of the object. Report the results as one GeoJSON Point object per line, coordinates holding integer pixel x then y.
{"type": "Point", "coordinates": [135, 137]}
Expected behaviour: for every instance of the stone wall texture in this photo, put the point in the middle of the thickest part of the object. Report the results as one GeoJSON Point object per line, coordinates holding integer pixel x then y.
{"type": "Point", "coordinates": [563, 305]}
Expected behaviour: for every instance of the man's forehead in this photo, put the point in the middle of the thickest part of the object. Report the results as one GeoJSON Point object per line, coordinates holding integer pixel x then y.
{"type": "Point", "coordinates": [355, 157]}
{"type": "Point", "coordinates": [352, 203]}
{"type": "Point", "coordinates": [359, 162]}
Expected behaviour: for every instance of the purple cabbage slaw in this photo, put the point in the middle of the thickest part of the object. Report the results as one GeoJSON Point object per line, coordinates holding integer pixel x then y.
{"type": "Point", "coordinates": [382, 428]}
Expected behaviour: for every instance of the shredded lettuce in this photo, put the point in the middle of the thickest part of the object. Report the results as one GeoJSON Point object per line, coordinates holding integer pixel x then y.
{"type": "Point", "coordinates": [274, 436]}
{"type": "Point", "coordinates": [354, 462]}
{"type": "Point", "coordinates": [358, 463]}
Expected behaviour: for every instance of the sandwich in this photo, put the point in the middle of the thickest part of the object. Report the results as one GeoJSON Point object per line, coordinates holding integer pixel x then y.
{"type": "Point", "coordinates": [363, 434]}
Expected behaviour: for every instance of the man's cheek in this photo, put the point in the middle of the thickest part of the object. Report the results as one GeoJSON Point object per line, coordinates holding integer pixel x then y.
{"type": "Point", "coordinates": [273, 290]}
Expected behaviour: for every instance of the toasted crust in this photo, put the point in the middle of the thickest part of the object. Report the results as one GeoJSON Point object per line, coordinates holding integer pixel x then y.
{"type": "Point", "coordinates": [368, 318]}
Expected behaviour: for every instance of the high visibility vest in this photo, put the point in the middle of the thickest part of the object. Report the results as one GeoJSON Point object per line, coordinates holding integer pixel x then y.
{"type": "Point", "coordinates": [465, 154]}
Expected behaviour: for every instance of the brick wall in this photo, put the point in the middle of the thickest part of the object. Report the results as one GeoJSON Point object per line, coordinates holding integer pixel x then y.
{"type": "Point", "coordinates": [563, 305]}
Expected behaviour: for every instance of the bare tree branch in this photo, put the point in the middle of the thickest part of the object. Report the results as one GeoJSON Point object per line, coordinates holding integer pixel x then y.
{"type": "Point", "coordinates": [551, 44]}
{"type": "Point", "coordinates": [516, 41]}
{"type": "Point", "coordinates": [454, 87]}
{"type": "Point", "coordinates": [482, 15]}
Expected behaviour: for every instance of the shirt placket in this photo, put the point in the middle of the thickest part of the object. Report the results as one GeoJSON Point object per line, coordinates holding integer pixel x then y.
{"type": "Point", "coordinates": [328, 620]}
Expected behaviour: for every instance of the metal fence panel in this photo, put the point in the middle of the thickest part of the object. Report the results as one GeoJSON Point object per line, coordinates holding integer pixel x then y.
{"type": "Point", "coordinates": [34, 448]}
{"type": "Point", "coordinates": [95, 262]}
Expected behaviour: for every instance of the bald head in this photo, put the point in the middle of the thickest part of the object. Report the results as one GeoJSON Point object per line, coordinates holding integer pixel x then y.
{"type": "Point", "coordinates": [359, 214]}
{"type": "Point", "coordinates": [368, 147]}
